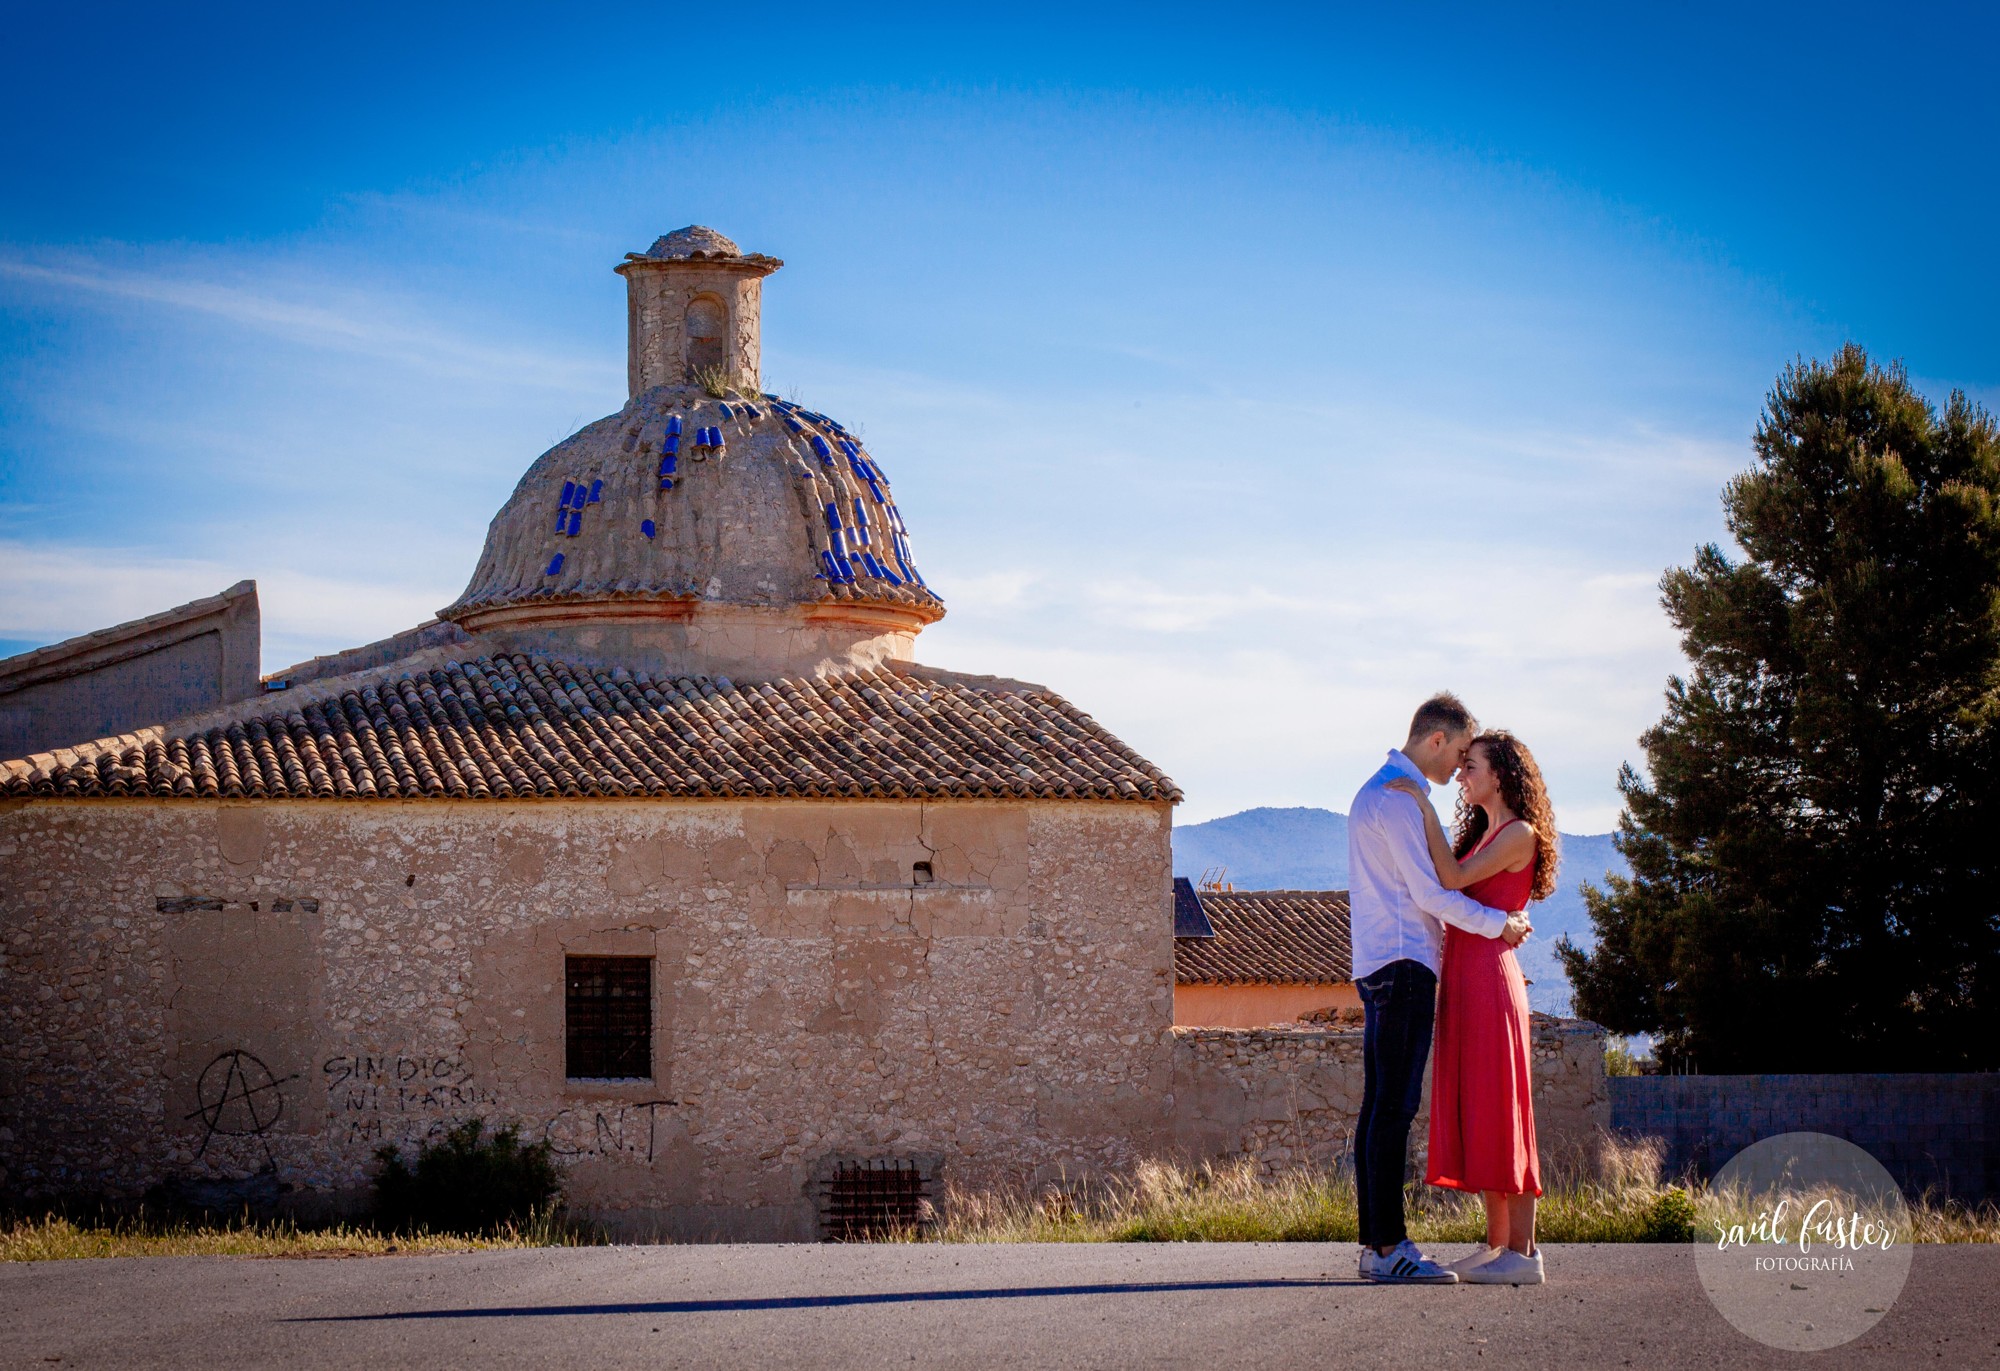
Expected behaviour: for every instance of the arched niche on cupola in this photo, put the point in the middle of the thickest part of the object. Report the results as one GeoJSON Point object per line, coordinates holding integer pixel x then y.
{"type": "Point", "coordinates": [706, 330]}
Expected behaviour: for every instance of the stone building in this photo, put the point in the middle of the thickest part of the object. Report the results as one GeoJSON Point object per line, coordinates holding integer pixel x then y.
{"type": "Point", "coordinates": [658, 843]}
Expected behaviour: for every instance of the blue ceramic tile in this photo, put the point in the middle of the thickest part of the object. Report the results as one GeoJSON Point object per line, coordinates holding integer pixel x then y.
{"type": "Point", "coordinates": [674, 424]}
{"type": "Point", "coordinates": [596, 492]}
{"type": "Point", "coordinates": [727, 412]}
{"type": "Point", "coordinates": [575, 523]}
{"type": "Point", "coordinates": [646, 527]}
{"type": "Point", "coordinates": [569, 489]}
{"type": "Point", "coordinates": [833, 517]}
{"type": "Point", "coordinates": [555, 565]}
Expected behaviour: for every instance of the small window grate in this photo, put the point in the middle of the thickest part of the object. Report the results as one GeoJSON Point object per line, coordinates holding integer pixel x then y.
{"type": "Point", "coordinates": [872, 1199]}
{"type": "Point", "coordinates": [608, 1018]}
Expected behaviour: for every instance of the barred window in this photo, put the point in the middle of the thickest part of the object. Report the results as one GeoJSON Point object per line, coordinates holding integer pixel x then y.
{"type": "Point", "coordinates": [608, 1019]}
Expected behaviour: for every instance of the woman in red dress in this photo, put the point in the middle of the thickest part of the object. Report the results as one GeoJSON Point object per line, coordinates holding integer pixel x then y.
{"type": "Point", "coordinates": [1503, 855]}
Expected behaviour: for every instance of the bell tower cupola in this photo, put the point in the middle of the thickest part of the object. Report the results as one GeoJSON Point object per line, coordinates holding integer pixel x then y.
{"type": "Point", "coordinates": [692, 302]}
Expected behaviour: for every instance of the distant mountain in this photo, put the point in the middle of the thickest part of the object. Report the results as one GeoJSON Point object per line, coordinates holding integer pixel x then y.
{"type": "Point", "coordinates": [1306, 849]}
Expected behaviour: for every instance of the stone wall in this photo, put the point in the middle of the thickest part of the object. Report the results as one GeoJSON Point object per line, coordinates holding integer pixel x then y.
{"type": "Point", "coordinates": [1289, 1096]}
{"type": "Point", "coordinates": [1937, 1132]}
{"type": "Point", "coordinates": [195, 657]}
{"type": "Point", "coordinates": [205, 990]}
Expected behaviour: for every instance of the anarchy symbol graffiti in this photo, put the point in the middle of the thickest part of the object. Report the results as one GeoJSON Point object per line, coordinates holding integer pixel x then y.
{"type": "Point", "coordinates": [238, 1097]}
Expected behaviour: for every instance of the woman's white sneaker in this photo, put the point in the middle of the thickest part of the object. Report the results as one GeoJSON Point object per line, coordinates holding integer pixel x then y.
{"type": "Point", "coordinates": [1404, 1266]}
{"type": "Point", "coordinates": [1480, 1257]}
{"type": "Point", "coordinates": [1507, 1268]}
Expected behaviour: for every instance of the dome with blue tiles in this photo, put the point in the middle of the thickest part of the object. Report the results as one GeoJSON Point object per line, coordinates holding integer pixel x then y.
{"type": "Point", "coordinates": [704, 493]}
{"type": "Point", "coordinates": [686, 496]}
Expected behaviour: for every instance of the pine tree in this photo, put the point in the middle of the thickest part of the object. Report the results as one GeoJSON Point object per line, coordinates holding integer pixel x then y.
{"type": "Point", "coordinates": [1815, 850]}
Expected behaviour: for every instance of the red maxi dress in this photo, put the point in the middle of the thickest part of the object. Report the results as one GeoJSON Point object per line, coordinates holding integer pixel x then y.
{"type": "Point", "coordinates": [1482, 1082]}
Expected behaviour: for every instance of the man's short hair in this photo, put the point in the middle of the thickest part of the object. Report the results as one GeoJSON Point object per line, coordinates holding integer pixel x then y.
{"type": "Point", "coordinates": [1443, 713]}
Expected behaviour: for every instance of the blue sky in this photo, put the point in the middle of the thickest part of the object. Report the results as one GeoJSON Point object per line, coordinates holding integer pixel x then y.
{"type": "Point", "coordinates": [1245, 374]}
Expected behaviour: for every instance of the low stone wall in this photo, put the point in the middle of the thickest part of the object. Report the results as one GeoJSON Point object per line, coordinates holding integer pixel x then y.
{"type": "Point", "coordinates": [1938, 1132]}
{"type": "Point", "coordinates": [1289, 1096]}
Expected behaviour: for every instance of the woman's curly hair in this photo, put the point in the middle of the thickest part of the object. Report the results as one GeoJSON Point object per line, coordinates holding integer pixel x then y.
{"type": "Point", "coordinates": [1521, 787]}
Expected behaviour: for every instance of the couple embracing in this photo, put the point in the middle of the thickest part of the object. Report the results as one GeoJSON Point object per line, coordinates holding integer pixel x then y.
{"type": "Point", "coordinates": [1435, 920]}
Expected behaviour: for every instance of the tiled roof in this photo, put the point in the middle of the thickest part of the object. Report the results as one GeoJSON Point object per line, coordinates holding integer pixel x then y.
{"type": "Point", "coordinates": [514, 726]}
{"type": "Point", "coordinates": [1296, 937]}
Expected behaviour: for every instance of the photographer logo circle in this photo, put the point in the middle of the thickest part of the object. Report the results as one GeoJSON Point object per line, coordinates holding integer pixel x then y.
{"type": "Point", "coordinates": [1804, 1242]}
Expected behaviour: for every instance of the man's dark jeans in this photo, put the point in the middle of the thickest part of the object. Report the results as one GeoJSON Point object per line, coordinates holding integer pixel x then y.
{"type": "Point", "coordinates": [1399, 1005]}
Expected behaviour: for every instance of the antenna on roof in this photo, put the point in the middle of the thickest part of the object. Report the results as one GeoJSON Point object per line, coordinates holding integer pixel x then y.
{"type": "Point", "coordinates": [1212, 882]}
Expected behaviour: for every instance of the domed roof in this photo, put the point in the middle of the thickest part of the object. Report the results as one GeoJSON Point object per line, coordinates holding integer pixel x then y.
{"type": "Point", "coordinates": [683, 497]}
{"type": "Point", "coordinates": [696, 243]}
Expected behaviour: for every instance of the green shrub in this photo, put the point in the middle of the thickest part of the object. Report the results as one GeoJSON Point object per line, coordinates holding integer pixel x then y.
{"type": "Point", "coordinates": [467, 1183]}
{"type": "Point", "coordinates": [1669, 1218]}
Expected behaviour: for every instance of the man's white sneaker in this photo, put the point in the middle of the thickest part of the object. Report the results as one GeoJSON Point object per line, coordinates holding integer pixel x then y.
{"type": "Point", "coordinates": [1508, 1268]}
{"type": "Point", "coordinates": [1403, 1266]}
{"type": "Point", "coordinates": [1480, 1257]}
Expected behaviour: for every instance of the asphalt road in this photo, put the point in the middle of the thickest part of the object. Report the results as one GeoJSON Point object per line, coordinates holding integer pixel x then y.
{"type": "Point", "coordinates": [1180, 1305]}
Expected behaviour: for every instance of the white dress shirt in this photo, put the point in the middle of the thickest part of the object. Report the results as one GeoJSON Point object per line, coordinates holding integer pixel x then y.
{"type": "Point", "coordinates": [1398, 909]}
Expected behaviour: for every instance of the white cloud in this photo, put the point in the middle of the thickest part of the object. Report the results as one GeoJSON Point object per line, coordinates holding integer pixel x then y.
{"type": "Point", "coordinates": [59, 591]}
{"type": "Point", "coordinates": [371, 325]}
{"type": "Point", "coordinates": [1259, 697]}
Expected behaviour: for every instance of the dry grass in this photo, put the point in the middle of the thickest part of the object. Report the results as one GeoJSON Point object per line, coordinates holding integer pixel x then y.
{"type": "Point", "coordinates": [54, 1237]}
{"type": "Point", "coordinates": [1625, 1201]}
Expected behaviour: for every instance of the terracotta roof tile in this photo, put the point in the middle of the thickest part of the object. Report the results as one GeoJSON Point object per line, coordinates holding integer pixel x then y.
{"type": "Point", "coordinates": [1295, 937]}
{"type": "Point", "coordinates": [513, 726]}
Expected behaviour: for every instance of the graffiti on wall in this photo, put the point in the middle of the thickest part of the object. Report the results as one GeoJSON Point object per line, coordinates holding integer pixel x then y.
{"type": "Point", "coordinates": [395, 1097]}
{"type": "Point", "coordinates": [238, 1097]}
{"type": "Point", "coordinates": [630, 1131]}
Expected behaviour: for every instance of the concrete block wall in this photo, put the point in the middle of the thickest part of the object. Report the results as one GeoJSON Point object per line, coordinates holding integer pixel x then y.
{"type": "Point", "coordinates": [1937, 1132]}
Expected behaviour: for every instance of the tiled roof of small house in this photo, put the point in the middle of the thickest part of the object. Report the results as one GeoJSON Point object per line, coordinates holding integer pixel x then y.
{"type": "Point", "coordinates": [518, 727]}
{"type": "Point", "coordinates": [1294, 937]}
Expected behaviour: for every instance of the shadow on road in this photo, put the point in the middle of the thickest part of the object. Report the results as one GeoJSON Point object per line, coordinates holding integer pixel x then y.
{"type": "Point", "coordinates": [819, 1301]}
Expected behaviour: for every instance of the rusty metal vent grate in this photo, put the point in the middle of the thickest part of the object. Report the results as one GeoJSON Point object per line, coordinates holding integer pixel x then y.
{"type": "Point", "coordinates": [870, 1199]}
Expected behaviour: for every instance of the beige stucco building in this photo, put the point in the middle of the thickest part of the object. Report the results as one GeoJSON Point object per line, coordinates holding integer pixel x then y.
{"type": "Point", "coordinates": [658, 844]}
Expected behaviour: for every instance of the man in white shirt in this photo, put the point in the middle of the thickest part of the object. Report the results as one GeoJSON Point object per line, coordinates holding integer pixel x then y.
{"type": "Point", "coordinates": [1398, 911]}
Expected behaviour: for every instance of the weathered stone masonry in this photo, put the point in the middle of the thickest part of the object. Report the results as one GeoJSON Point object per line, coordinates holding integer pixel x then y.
{"type": "Point", "coordinates": [396, 968]}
